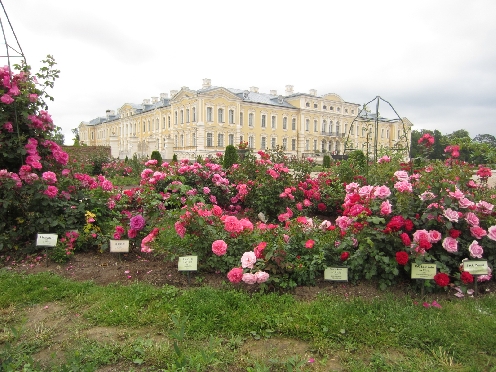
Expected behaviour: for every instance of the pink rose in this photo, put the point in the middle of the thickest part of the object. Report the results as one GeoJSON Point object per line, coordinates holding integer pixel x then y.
{"type": "Point", "coordinates": [343, 222]}
{"type": "Point", "coordinates": [132, 233]}
{"type": "Point", "coordinates": [475, 250]}
{"type": "Point", "coordinates": [235, 275]}
{"type": "Point", "coordinates": [492, 233]}
{"type": "Point", "coordinates": [465, 203]}
{"type": "Point", "coordinates": [51, 192]}
{"type": "Point", "coordinates": [451, 215]}
{"type": "Point", "coordinates": [401, 175]}
{"type": "Point", "coordinates": [386, 208]}
{"type": "Point", "coordinates": [219, 247]}
{"type": "Point", "coordinates": [477, 232]}
{"type": "Point", "coordinates": [403, 186]}
{"type": "Point", "coordinates": [248, 260]}
{"type": "Point", "coordinates": [472, 219]}
{"type": "Point", "coordinates": [7, 99]}
{"type": "Point", "coordinates": [434, 236]}
{"type": "Point", "coordinates": [249, 278]}
{"type": "Point", "coordinates": [261, 276]}
{"type": "Point", "coordinates": [450, 244]}
{"type": "Point", "coordinates": [421, 235]}
{"type": "Point", "coordinates": [382, 192]}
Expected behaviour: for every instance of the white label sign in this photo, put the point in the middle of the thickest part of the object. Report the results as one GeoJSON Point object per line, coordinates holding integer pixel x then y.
{"type": "Point", "coordinates": [476, 267]}
{"type": "Point", "coordinates": [187, 263]}
{"type": "Point", "coordinates": [119, 246]}
{"type": "Point", "coordinates": [46, 240]}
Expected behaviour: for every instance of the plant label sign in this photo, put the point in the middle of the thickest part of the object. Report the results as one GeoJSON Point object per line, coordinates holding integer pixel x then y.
{"type": "Point", "coordinates": [119, 246]}
{"type": "Point", "coordinates": [188, 263]}
{"type": "Point", "coordinates": [46, 240]}
{"type": "Point", "coordinates": [423, 271]}
{"type": "Point", "coordinates": [476, 267]}
{"type": "Point", "coordinates": [336, 274]}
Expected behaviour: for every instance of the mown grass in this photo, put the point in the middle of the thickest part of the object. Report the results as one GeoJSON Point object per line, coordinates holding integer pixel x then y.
{"type": "Point", "coordinates": [206, 329]}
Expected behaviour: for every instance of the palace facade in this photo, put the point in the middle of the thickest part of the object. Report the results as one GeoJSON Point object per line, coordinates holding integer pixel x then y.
{"type": "Point", "coordinates": [203, 122]}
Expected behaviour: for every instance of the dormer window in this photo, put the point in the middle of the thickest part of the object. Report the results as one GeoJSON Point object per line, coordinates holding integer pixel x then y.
{"type": "Point", "coordinates": [345, 111]}
{"type": "Point", "coordinates": [339, 109]}
{"type": "Point", "coordinates": [308, 104]}
{"type": "Point", "coordinates": [324, 107]}
{"type": "Point", "coordinates": [331, 108]}
{"type": "Point", "coordinates": [315, 105]}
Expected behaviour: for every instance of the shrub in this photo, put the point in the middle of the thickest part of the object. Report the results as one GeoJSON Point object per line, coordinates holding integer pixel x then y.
{"type": "Point", "coordinates": [156, 156]}
{"type": "Point", "coordinates": [326, 162]}
{"type": "Point", "coordinates": [230, 157]}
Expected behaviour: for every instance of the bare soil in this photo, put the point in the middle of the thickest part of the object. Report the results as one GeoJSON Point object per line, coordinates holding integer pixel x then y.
{"type": "Point", "coordinates": [106, 268]}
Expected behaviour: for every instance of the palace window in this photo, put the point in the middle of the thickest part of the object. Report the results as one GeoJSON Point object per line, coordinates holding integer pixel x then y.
{"type": "Point", "coordinates": [231, 116]}
{"type": "Point", "coordinates": [231, 140]}
{"type": "Point", "coordinates": [264, 118]}
{"type": "Point", "coordinates": [273, 122]}
{"type": "Point", "coordinates": [307, 145]}
{"type": "Point", "coordinates": [220, 115]}
{"type": "Point", "coordinates": [220, 140]}
{"type": "Point", "coordinates": [284, 143]}
{"type": "Point", "coordinates": [187, 115]}
{"type": "Point", "coordinates": [263, 143]}
{"type": "Point", "coordinates": [182, 116]}
{"type": "Point", "coordinates": [307, 125]}
{"type": "Point", "coordinates": [194, 113]}
{"type": "Point", "coordinates": [250, 119]}
{"type": "Point", "coordinates": [175, 117]}
{"type": "Point", "coordinates": [284, 123]}
{"type": "Point", "coordinates": [324, 126]}
{"type": "Point", "coordinates": [273, 143]}
{"type": "Point", "coordinates": [293, 144]}
{"type": "Point", "coordinates": [251, 142]}
{"type": "Point", "coordinates": [315, 105]}
{"type": "Point", "coordinates": [240, 119]}
{"type": "Point", "coordinates": [209, 114]}
{"type": "Point", "coordinates": [293, 124]}
{"type": "Point", "coordinates": [308, 104]}
{"type": "Point", "coordinates": [210, 140]}
{"type": "Point", "coordinates": [315, 127]}
{"type": "Point", "coordinates": [314, 145]}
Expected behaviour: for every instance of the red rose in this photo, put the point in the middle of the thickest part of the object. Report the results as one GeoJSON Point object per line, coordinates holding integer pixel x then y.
{"type": "Point", "coordinates": [402, 258]}
{"type": "Point", "coordinates": [466, 277]}
{"type": "Point", "coordinates": [425, 244]}
{"type": "Point", "coordinates": [441, 279]}
{"type": "Point", "coordinates": [405, 239]}
{"type": "Point", "coordinates": [408, 225]}
{"type": "Point", "coordinates": [454, 233]}
{"type": "Point", "coordinates": [321, 207]}
{"type": "Point", "coordinates": [344, 256]}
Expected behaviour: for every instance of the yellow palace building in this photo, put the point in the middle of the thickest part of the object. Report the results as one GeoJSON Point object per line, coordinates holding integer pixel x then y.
{"type": "Point", "coordinates": [203, 122]}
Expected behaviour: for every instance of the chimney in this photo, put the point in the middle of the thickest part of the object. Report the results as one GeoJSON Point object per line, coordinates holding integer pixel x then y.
{"type": "Point", "coordinates": [289, 90]}
{"type": "Point", "coordinates": [173, 93]}
{"type": "Point", "coordinates": [273, 92]}
{"type": "Point", "coordinates": [184, 88]}
{"type": "Point", "coordinates": [154, 99]}
{"type": "Point", "coordinates": [313, 92]}
{"type": "Point", "coordinates": [164, 95]}
{"type": "Point", "coordinates": [207, 83]}
{"type": "Point", "coordinates": [254, 89]}
{"type": "Point", "coordinates": [146, 101]}
{"type": "Point", "coordinates": [107, 113]}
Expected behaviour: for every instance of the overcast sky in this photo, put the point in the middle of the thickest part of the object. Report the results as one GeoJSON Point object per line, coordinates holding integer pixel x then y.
{"type": "Point", "coordinates": [434, 61]}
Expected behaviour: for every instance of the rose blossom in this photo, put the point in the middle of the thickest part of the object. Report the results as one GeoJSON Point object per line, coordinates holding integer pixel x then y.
{"type": "Point", "coordinates": [402, 258]}
{"type": "Point", "coordinates": [477, 232]}
{"type": "Point", "coordinates": [343, 222]}
{"type": "Point", "coordinates": [475, 250]}
{"type": "Point", "coordinates": [441, 279]}
{"type": "Point", "coordinates": [248, 260]}
{"type": "Point", "coordinates": [235, 275]}
{"type": "Point", "coordinates": [492, 232]}
{"type": "Point", "coordinates": [137, 222]}
{"type": "Point", "coordinates": [386, 208]}
{"type": "Point", "coordinates": [219, 247]}
{"type": "Point", "coordinates": [382, 192]}
{"type": "Point", "coordinates": [451, 215]}
{"type": "Point", "coordinates": [403, 186]}
{"type": "Point", "coordinates": [310, 243]}
{"type": "Point", "coordinates": [51, 192]}
{"type": "Point", "coordinates": [261, 276]}
{"type": "Point", "coordinates": [472, 219]}
{"type": "Point", "coordinates": [434, 236]}
{"type": "Point", "coordinates": [249, 278]}
{"type": "Point", "coordinates": [401, 175]}
{"type": "Point", "coordinates": [450, 244]}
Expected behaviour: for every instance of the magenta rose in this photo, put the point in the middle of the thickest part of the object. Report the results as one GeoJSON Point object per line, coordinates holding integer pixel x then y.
{"type": "Point", "coordinates": [477, 232]}
{"type": "Point", "coordinates": [137, 222]}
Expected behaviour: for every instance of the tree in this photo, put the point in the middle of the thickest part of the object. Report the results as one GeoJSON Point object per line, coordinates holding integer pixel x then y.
{"type": "Point", "coordinates": [75, 131]}
{"type": "Point", "coordinates": [230, 156]}
{"type": "Point", "coordinates": [57, 136]}
{"type": "Point", "coordinates": [485, 138]}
